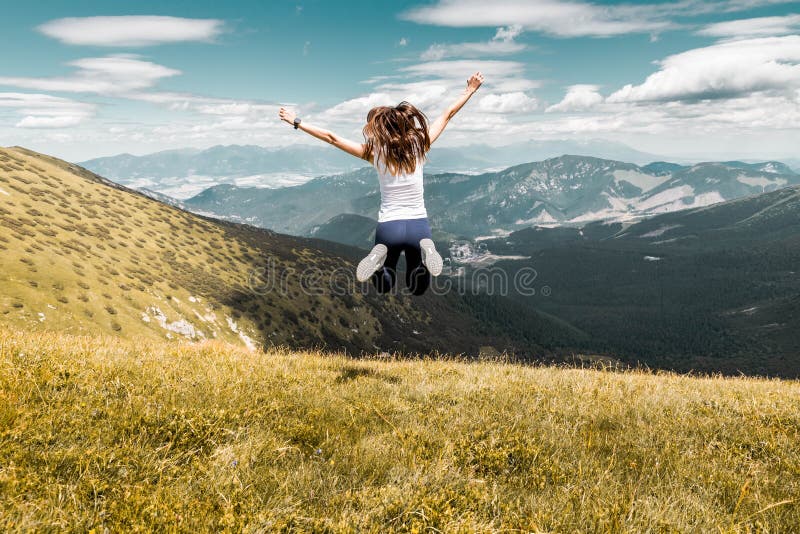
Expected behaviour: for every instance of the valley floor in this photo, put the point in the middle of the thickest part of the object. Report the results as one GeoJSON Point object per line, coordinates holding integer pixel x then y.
{"type": "Point", "coordinates": [98, 433]}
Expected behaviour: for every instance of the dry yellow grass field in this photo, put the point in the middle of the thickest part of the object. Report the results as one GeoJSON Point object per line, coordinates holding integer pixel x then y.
{"type": "Point", "coordinates": [101, 434]}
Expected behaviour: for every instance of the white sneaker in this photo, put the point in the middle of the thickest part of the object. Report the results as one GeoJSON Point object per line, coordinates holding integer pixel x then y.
{"type": "Point", "coordinates": [430, 258]}
{"type": "Point", "coordinates": [371, 263]}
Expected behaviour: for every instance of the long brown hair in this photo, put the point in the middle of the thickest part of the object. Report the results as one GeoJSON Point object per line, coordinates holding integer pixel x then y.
{"type": "Point", "coordinates": [399, 134]}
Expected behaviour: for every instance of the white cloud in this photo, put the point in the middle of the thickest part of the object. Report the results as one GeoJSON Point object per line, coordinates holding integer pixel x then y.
{"type": "Point", "coordinates": [431, 86]}
{"type": "Point", "coordinates": [206, 105]}
{"type": "Point", "coordinates": [666, 11]}
{"type": "Point", "coordinates": [578, 98]}
{"type": "Point", "coordinates": [31, 100]}
{"type": "Point", "coordinates": [34, 121]}
{"type": "Point", "coordinates": [101, 75]}
{"type": "Point", "coordinates": [490, 48]}
{"type": "Point", "coordinates": [508, 33]}
{"type": "Point", "coordinates": [131, 31]}
{"type": "Point", "coordinates": [46, 111]}
{"type": "Point", "coordinates": [741, 121]}
{"type": "Point", "coordinates": [376, 79]}
{"type": "Point", "coordinates": [573, 18]}
{"type": "Point", "coordinates": [502, 43]}
{"type": "Point", "coordinates": [500, 117]}
{"type": "Point", "coordinates": [125, 77]}
{"type": "Point", "coordinates": [756, 27]}
{"type": "Point", "coordinates": [494, 71]}
{"type": "Point", "coordinates": [730, 6]}
{"type": "Point", "coordinates": [555, 17]}
{"type": "Point", "coordinates": [722, 70]}
{"type": "Point", "coordinates": [517, 102]}
{"type": "Point", "coordinates": [742, 118]}
{"type": "Point", "coordinates": [356, 109]}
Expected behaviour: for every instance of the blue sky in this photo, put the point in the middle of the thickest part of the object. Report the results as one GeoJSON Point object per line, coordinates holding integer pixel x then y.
{"type": "Point", "coordinates": [712, 79]}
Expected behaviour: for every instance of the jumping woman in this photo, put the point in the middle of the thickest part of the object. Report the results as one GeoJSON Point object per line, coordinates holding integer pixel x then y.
{"type": "Point", "coordinates": [397, 142]}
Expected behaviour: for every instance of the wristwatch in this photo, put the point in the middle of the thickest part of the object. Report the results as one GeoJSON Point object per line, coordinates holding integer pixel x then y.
{"type": "Point", "coordinates": [296, 122]}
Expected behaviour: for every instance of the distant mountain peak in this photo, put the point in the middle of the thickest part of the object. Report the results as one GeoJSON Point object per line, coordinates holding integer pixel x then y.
{"type": "Point", "coordinates": [568, 189]}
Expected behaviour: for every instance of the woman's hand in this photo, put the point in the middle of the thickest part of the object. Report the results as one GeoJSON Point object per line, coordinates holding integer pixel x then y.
{"type": "Point", "coordinates": [474, 82]}
{"type": "Point", "coordinates": [287, 115]}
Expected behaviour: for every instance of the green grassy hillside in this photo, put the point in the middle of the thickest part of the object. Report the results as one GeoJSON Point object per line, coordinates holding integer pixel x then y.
{"type": "Point", "coordinates": [80, 254]}
{"type": "Point", "coordinates": [99, 434]}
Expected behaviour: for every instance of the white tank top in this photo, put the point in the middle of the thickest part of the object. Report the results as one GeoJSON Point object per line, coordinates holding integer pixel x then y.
{"type": "Point", "coordinates": [402, 195]}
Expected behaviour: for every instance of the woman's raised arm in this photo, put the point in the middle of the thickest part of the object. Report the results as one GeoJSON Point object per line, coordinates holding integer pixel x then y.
{"type": "Point", "coordinates": [351, 147]}
{"type": "Point", "coordinates": [437, 127]}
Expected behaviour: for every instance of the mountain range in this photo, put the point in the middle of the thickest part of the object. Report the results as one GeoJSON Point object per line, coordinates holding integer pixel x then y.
{"type": "Point", "coordinates": [182, 173]}
{"type": "Point", "coordinates": [566, 190]}
{"type": "Point", "coordinates": [712, 288]}
{"type": "Point", "coordinates": [708, 288]}
{"type": "Point", "coordinates": [678, 277]}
